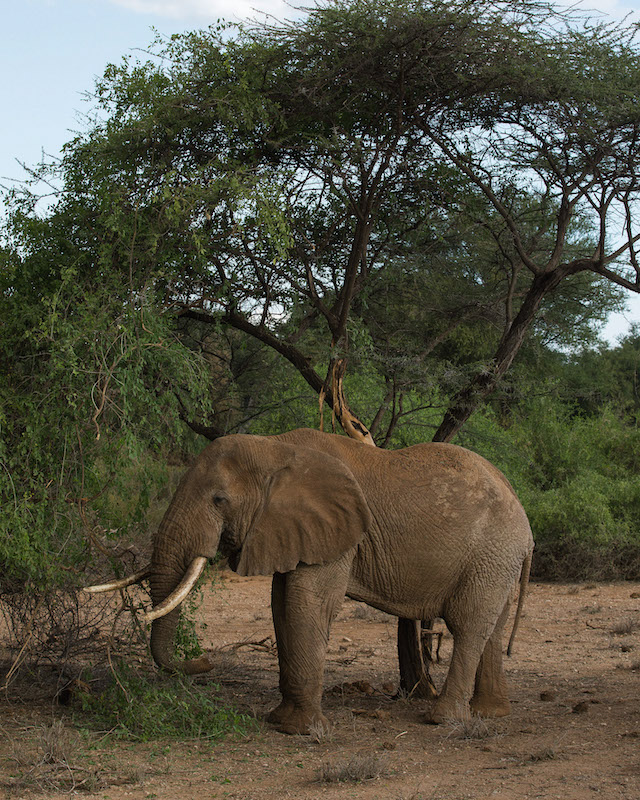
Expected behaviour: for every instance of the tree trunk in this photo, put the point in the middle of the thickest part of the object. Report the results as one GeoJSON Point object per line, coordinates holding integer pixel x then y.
{"type": "Point", "coordinates": [466, 401]}
{"type": "Point", "coordinates": [411, 653]}
{"type": "Point", "coordinates": [415, 680]}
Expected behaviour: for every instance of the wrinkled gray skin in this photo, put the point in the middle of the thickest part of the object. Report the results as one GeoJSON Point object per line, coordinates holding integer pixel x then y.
{"type": "Point", "coordinates": [430, 531]}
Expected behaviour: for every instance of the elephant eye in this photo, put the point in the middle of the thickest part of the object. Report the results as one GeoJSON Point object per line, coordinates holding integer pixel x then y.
{"type": "Point", "coordinates": [219, 500]}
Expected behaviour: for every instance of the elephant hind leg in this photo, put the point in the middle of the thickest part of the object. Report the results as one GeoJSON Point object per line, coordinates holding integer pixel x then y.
{"type": "Point", "coordinates": [453, 701]}
{"type": "Point", "coordinates": [475, 678]}
{"type": "Point", "coordinates": [490, 696]}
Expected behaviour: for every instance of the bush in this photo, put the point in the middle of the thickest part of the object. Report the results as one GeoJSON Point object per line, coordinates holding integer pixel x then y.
{"type": "Point", "coordinates": [146, 707]}
{"type": "Point", "coordinates": [589, 528]}
{"type": "Point", "coordinates": [578, 478]}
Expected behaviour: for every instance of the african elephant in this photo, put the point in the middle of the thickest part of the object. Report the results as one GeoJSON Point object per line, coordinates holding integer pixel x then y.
{"type": "Point", "coordinates": [432, 530]}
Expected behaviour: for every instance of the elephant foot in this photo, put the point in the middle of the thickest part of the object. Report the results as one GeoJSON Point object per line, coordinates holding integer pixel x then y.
{"type": "Point", "coordinates": [289, 718]}
{"type": "Point", "coordinates": [280, 713]}
{"type": "Point", "coordinates": [487, 708]}
{"type": "Point", "coordinates": [443, 712]}
{"type": "Point", "coordinates": [490, 708]}
{"type": "Point", "coordinates": [434, 718]}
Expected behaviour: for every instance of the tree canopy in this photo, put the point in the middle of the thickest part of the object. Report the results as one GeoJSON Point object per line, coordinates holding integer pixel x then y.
{"type": "Point", "coordinates": [281, 179]}
{"type": "Point", "coordinates": [385, 202]}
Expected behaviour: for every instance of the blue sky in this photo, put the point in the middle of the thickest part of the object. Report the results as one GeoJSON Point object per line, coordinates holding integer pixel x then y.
{"type": "Point", "coordinates": [53, 50]}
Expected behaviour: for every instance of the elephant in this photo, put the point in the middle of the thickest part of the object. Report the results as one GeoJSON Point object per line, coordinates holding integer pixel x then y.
{"type": "Point", "coordinates": [431, 530]}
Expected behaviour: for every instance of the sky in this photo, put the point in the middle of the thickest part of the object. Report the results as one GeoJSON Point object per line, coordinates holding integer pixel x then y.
{"type": "Point", "coordinates": [53, 51]}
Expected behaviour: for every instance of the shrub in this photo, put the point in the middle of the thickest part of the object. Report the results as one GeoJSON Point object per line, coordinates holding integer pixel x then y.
{"type": "Point", "coordinates": [144, 707]}
{"type": "Point", "coordinates": [579, 480]}
{"type": "Point", "coordinates": [358, 768]}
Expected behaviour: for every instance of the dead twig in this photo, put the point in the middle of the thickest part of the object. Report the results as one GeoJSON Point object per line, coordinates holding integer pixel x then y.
{"type": "Point", "coordinates": [263, 644]}
{"type": "Point", "coordinates": [427, 633]}
{"type": "Point", "coordinates": [19, 658]}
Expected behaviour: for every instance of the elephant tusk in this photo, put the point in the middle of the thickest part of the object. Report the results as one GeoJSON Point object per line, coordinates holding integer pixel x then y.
{"type": "Point", "coordinates": [176, 597]}
{"type": "Point", "coordinates": [121, 583]}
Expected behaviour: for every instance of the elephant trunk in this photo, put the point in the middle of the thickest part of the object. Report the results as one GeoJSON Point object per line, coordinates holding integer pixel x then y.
{"type": "Point", "coordinates": [163, 633]}
{"type": "Point", "coordinates": [174, 573]}
{"type": "Point", "coordinates": [162, 637]}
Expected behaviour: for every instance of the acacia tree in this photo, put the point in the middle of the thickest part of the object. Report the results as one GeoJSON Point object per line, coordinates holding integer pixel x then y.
{"type": "Point", "coordinates": [278, 181]}
{"type": "Point", "coordinates": [528, 115]}
{"type": "Point", "coordinates": [580, 150]}
{"type": "Point", "coordinates": [281, 182]}
{"type": "Point", "coordinates": [464, 159]}
{"type": "Point", "coordinates": [296, 167]}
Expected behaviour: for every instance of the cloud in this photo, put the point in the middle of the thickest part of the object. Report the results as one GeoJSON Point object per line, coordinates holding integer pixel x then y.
{"type": "Point", "coordinates": [208, 10]}
{"type": "Point", "coordinates": [616, 9]}
{"type": "Point", "coordinates": [211, 10]}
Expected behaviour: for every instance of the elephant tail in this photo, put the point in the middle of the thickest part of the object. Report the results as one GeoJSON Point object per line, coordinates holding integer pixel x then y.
{"type": "Point", "coordinates": [524, 581]}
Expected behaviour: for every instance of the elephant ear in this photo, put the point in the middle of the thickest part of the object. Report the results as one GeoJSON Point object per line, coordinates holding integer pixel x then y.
{"type": "Point", "coordinates": [314, 511]}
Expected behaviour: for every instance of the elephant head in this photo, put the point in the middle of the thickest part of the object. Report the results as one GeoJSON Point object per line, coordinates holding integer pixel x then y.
{"type": "Point", "coordinates": [265, 505]}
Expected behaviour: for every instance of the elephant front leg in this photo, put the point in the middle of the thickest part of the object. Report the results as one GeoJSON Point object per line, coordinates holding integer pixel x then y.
{"type": "Point", "coordinates": [304, 602]}
{"type": "Point", "coordinates": [283, 713]}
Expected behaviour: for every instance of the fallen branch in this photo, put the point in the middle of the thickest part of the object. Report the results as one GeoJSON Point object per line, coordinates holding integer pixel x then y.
{"type": "Point", "coordinates": [263, 644]}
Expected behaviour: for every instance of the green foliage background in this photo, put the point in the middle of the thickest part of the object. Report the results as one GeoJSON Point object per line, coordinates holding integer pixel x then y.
{"type": "Point", "coordinates": [89, 412]}
{"type": "Point", "coordinates": [165, 286]}
{"type": "Point", "coordinates": [575, 464]}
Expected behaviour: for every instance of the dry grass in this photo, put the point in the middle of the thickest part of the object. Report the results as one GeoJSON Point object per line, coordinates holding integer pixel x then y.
{"type": "Point", "coordinates": [471, 727]}
{"type": "Point", "coordinates": [321, 733]}
{"type": "Point", "coordinates": [359, 768]}
{"type": "Point", "coordinates": [593, 608]}
{"type": "Point", "coordinates": [54, 765]}
{"type": "Point", "coordinates": [546, 754]}
{"type": "Point", "coordinates": [625, 627]}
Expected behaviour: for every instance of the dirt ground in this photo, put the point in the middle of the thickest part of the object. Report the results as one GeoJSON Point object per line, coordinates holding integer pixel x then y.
{"type": "Point", "coordinates": [574, 731]}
